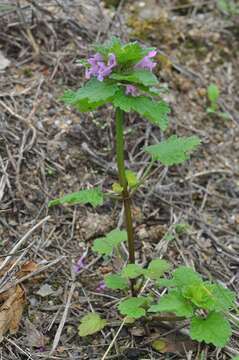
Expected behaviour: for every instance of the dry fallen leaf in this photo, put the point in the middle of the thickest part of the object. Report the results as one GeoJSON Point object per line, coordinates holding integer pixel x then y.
{"type": "Point", "coordinates": [173, 345]}
{"type": "Point", "coordinates": [27, 267]}
{"type": "Point", "coordinates": [11, 311]}
{"type": "Point", "coordinates": [45, 290]}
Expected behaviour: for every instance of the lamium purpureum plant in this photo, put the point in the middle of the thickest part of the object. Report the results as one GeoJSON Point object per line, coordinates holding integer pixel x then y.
{"type": "Point", "coordinates": [122, 75]}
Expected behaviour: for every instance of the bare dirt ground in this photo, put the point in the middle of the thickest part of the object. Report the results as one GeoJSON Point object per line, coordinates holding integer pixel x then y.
{"type": "Point", "coordinates": [47, 149]}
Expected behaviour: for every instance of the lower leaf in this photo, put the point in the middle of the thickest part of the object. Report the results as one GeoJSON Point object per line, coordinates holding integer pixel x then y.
{"type": "Point", "coordinates": [215, 329]}
{"type": "Point", "coordinates": [90, 324]}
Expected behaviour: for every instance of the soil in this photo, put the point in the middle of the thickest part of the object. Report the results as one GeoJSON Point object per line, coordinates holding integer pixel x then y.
{"type": "Point", "coordinates": [47, 150]}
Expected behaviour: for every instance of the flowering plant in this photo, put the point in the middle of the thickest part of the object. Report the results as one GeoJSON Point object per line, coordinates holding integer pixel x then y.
{"type": "Point", "coordinates": [122, 75]}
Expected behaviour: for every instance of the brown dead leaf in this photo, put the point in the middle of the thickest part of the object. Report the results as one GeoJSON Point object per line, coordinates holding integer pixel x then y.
{"type": "Point", "coordinates": [11, 311]}
{"type": "Point", "coordinates": [28, 267]}
{"type": "Point", "coordinates": [25, 268]}
{"type": "Point", "coordinates": [172, 344]}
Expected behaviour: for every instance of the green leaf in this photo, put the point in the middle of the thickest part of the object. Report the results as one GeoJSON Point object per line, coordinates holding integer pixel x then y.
{"type": "Point", "coordinates": [174, 150]}
{"type": "Point", "coordinates": [90, 196]}
{"type": "Point", "coordinates": [235, 358]}
{"type": "Point", "coordinates": [173, 302]}
{"type": "Point", "coordinates": [228, 7]}
{"type": "Point", "coordinates": [133, 307]}
{"type": "Point", "coordinates": [199, 295]}
{"type": "Point", "coordinates": [139, 76]}
{"type": "Point", "coordinates": [117, 188]}
{"type": "Point", "coordinates": [116, 281]}
{"type": "Point", "coordinates": [182, 228]}
{"type": "Point", "coordinates": [132, 52]}
{"type": "Point", "coordinates": [185, 275]}
{"type": "Point", "coordinates": [159, 345]}
{"type": "Point", "coordinates": [155, 112]}
{"type": "Point", "coordinates": [105, 245]}
{"type": "Point", "coordinates": [131, 179]}
{"type": "Point", "coordinates": [213, 93]}
{"type": "Point", "coordinates": [126, 54]}
{"type": "Point", "coordinates": [157, 268]}
{"type": "Point", "coordinates": [219, 298]}
{"type": "Point", "coordinates": [132, 271]}
{"type": "Point", "coordinates": [90, 324]}
{"type": "Point", "coordinates": [95, 93]}
{"type": "Point", "coordinates": [166, 283]}
{"type": "Point", "coordinates": [214, 329]}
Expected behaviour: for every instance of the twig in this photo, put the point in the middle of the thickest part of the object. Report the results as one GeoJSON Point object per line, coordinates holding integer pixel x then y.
{"type": "Point", "coordinates": [22, 241]}
{"type": "Point", "coordinates": [63, 319]}
{"type": "Point", "coordinates": [114, 339]}
{"type": "Point", "coordinates": [9, 286]}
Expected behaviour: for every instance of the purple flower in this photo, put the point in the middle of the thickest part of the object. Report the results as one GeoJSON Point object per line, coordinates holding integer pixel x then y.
{"type": "Point", "coordinates": [146, 62]}
{"type": "Point", "coordinates": [99, 68]}
{"type": "Point", "coordinates": [80, 263]}
{"type": "Point", "coordinates": [131, 90]}
{"type": "Point", "coordinates": [101, 286]}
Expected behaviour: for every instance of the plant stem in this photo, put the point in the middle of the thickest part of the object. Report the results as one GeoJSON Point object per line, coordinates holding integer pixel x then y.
{"type": "Point", "coordinates": [123, 182]}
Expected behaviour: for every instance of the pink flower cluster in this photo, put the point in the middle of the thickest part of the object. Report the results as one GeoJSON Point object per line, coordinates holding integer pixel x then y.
{"type": "Point", "coordinates": [147, 64]}
{"type": "Point", "coordinates": [99, 68]}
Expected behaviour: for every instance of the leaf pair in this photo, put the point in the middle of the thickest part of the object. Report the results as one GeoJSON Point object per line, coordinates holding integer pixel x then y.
{"type": "Point", "coordinates": [105, 245]}
{"type": "Point", "coordinates": [189, 293]}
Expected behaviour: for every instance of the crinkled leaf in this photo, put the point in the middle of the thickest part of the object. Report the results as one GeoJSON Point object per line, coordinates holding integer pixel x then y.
{"type": "Point", "coordinates": [157, 268]}
{"type": "Point", "coordinates": [199, 295]}
{"type": "Point", "coordinates": [174, 150]}
{"type": "Point", "coordinates": [213, 93]}
{"type": "Point", "coordinates": [166, 283]}
{"type": "Point", "coordinates": [105, 245]}
{"type": "Point", "coordinates": [138, 76]}
{"type": "Point", "coordinates": [89, 196]}
{"type": "Point", "coordinates": [185, 275]}
{"type": "Point", "coordinates": [116, 281]}
{"type": "Point", "coordinates": [132, 52]}
{"type": "Point", "coordinates": [155, 112]}
{"type": "Point", "coordinates": [224, 298]}
{"type": "Point", "coordinates": [131, 178]}
{"type": "Point", "coordinates": [214, 329]}
{"type": "Point", "coordinates": [132, 271]}
{"type": "Point", "coordinates": [95, 93]}
{"type": "Point", "coordinates": [133, 307]}
{"type": "Point", "coordinates": [90, 324]}
{"type": "Point", "coordinates": [210, 296]}
{"type": "Point", "coordinates": [173, 302]}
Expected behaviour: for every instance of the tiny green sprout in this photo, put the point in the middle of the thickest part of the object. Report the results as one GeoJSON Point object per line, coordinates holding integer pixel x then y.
{"type": "Point", "coordinates": [228, 7]}
{"type": "Point", "coordinates": [121, 75]}
{"type": "Point", "coordinates": [213, 94]}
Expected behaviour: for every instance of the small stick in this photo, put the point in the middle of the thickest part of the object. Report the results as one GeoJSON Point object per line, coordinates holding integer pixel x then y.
{"type": "Point", "coordinates": [114, 339]}
{"type": "Point", "coordinates": [22, 241]}
{"type": "Point", "coordinates": [63, 319]}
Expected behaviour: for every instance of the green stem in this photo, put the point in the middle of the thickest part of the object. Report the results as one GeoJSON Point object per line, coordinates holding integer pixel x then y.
{"type": "Point", "coordinates": [123, 182]}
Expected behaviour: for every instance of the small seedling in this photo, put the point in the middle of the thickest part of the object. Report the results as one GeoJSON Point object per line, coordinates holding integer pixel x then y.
{"type": "Point", "coordinates": [228, 7]}
{"type": "Point", "coordinates": [213, 95]}
{"type": "Point", "coordinates": [122, 75]}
